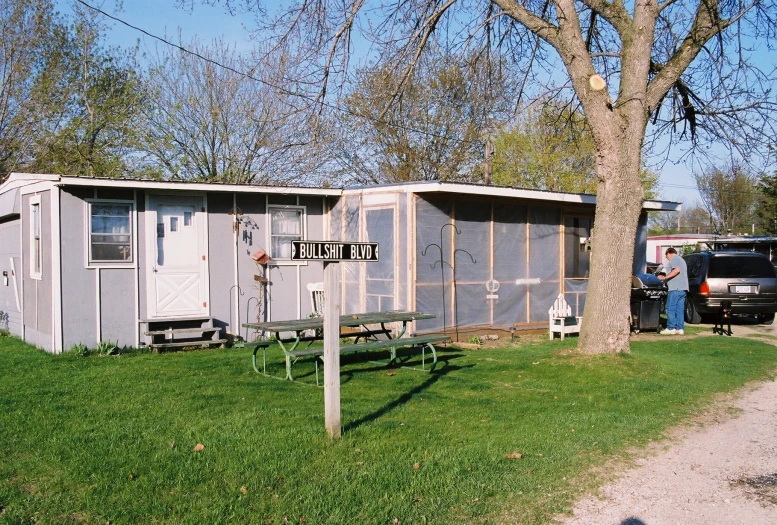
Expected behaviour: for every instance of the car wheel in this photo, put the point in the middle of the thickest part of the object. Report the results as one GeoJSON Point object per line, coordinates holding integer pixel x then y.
{"type": "Point", "coordinates": [765, 318]}
{"type": "Point", "coordinates": [691, 315]}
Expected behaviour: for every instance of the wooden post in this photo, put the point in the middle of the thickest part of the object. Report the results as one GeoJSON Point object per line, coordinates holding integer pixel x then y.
{"type": "Point", "coordinates": [332, 348]}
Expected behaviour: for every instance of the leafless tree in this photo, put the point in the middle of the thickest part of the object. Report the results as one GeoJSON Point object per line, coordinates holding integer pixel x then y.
{"type": "Point", "coordinates": [217, 119]}
{"type": "Point", "coordinates": [729, 195]}
{"type": "Point", "coordinates": [437, 131]}
{"type": "Point", "coordinates": [691, 219]}
{"type": "Point", "coordinates": [687, 68]}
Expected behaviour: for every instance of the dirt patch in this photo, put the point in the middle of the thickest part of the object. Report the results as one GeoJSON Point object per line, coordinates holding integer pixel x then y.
{"type": "Point", "coordinates": [525, 339]}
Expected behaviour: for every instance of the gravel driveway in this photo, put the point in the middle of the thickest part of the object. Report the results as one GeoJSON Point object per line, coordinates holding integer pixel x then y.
{"type": "Point", "coordinates": [723, 471]}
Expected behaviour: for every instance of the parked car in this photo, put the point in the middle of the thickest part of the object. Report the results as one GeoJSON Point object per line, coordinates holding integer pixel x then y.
{"type": "Point", "coordinates": [746, 279]}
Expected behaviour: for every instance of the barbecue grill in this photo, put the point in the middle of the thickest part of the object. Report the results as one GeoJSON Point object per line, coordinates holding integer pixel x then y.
{"type": "Point", "coordinates": [647, 292]}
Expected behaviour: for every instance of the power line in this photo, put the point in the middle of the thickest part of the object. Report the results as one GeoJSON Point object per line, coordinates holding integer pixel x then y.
{"type": "Point", "coordinates": [679, 186]}
{"type": "Point", "coordinates": [309, 98]}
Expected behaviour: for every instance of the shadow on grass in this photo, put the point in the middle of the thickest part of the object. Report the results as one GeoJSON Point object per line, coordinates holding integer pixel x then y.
{"type": "Point", "coordinates": [366, 362]}
{"type": "Point", "coordinates": [434, 376]}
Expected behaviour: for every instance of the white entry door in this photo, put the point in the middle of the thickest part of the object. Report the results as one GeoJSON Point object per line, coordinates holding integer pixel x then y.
{"type": "Point", "coordinates": [177, 263]}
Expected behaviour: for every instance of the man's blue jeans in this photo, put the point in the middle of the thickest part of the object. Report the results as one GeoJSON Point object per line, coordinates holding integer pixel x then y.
{"type": "Point", "coordinates": [675, 310]}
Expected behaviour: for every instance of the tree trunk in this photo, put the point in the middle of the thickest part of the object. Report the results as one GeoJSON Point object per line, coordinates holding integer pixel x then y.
{"type": "Point", "coordinates": [607, 318]}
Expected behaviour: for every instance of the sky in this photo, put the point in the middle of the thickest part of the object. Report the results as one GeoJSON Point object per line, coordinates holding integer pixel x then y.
{"type": "Point", "coordinates": [207, 23]}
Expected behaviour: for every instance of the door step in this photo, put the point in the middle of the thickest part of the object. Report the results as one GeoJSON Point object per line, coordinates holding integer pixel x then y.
{"type": "Point", "coordinates": [179, 333]}
{"type": "Point", "coordinates": [182, 344]}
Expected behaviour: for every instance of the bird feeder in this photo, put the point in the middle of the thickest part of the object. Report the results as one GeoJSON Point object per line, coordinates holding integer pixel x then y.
{"type": "Point", "coordinates": [261, 257]}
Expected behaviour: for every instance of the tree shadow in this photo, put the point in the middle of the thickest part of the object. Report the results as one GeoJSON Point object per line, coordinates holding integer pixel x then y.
{"type": "Point", "coordinates": [632, 521]}
{"type": "Point", "coordinates": [434, 376]}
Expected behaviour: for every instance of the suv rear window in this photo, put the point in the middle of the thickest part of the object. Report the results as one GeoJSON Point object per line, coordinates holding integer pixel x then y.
{"type": "Point", "coordinates": [740, 267]}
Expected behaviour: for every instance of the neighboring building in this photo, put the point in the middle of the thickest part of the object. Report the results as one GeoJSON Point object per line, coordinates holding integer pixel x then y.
{"type": "Point", "coordinates": [111, 259]}
{"type": "Point", "coordinates": [657, 245]}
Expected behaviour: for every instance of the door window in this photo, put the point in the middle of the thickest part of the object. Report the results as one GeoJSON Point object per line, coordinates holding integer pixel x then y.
{"type": "Point", "coordinates": [177, 244]}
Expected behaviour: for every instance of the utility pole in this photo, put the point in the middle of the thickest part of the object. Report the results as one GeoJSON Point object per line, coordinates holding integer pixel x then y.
{"type": "Point", "coordinates": [489, 154]}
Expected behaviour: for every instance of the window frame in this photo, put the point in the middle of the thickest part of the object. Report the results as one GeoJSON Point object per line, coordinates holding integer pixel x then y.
{"type": "Point", "coordinates": [36, 248]}
{"type": "Point", "coordinates": [89, 262]}
{"type": "Point", "coordinates": [303, 232]}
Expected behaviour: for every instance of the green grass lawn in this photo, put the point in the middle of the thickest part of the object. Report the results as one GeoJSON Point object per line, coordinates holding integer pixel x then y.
{"type": "Point", "coordinates": [110, 439]}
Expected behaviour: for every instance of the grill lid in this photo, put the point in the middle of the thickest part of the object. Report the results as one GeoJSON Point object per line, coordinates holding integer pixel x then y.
{"type": "Point", "coordinates": [646, 280]}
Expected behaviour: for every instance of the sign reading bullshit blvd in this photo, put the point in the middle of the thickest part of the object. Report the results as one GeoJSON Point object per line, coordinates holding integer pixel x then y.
{"type": "Point", "coordinates": [333, 251]}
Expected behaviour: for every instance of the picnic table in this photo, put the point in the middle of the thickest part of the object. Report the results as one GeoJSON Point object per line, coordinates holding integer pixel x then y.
{"type": "Point", "coordinates": [359, 326]}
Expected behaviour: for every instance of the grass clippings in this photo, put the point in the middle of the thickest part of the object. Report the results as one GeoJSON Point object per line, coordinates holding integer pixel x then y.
{"type": "Point", "coordinates": [761, 488]}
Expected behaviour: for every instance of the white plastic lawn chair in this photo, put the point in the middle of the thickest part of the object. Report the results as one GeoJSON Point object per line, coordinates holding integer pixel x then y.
{"type": "Point", "coordinates": [561, 319]}
{"type": "Point", "coordinates": [317, 297]}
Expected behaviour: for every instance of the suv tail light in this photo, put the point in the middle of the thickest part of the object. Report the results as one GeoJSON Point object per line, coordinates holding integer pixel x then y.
{"type": "Point", "coordinates": [704, 289]}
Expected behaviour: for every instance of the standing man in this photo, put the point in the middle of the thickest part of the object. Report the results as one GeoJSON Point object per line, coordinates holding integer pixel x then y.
{"type": "Point", "coordinates": [677, 281]}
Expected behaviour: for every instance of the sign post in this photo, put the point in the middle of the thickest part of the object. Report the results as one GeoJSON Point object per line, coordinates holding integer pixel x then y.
{"type": "Point", "coordinates": [331, 252]}
{"type": "Point", "coordinates": [332, 349]}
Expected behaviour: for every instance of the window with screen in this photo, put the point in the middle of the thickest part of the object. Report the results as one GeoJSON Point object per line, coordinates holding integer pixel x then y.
{"type": "Point", "coordinates": [286, 225]}
{"type": "Point", "coordinates": [110, 232]}
{"type": "Point", "coordinates": [36, 257]}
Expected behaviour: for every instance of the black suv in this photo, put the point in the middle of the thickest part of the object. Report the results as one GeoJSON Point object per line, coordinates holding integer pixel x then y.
{"type": "Point", "coordinates": [746, 279]}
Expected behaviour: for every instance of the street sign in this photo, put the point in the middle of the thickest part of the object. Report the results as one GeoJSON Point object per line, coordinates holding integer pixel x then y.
{"type": "Point", "coordinates": [333, 251]}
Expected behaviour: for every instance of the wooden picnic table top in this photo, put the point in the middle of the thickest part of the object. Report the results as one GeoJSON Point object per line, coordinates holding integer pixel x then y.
{"type": "Point", "coordinates": [351, 320]}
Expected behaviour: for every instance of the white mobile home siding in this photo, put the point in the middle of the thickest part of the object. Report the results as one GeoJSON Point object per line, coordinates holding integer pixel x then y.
{"type": "Point", "coordinates": [37, 294]}
{"type": "Point", "coordinates": [10, 276]}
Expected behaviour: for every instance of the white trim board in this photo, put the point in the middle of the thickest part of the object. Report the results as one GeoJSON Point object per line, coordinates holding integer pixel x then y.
{"type": "Point", "coordinates": [497, 191]}
{"type": "Point", "coordinates": [16, 285]}
{"type": "Point", "coordinates": [194, 186]}
{"type": "Point", "coordinates": [56, 271]}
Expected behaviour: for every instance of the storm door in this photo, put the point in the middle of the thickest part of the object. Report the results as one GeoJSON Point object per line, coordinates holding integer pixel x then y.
{"type": "Point", "coordinates": [176, 257]}
{"type": "Point", "coordinates": [380, 280]}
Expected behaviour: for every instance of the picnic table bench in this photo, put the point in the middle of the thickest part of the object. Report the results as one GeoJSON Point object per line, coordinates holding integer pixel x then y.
{"type": "Point", "coordinates": [300, 327]}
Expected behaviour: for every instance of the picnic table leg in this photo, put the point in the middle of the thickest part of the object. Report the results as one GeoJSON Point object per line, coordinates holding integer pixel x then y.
{"type": "Point", "coordinates": [253, 360]}
{"type": "Point", "coordinates": [401, 332]}
{"type": "Point", "coordinates": [263, 371]}
{"type": "Point", "coordinates": [393, 349]}
{"type": "Point", "coordinates": [434, 356]}
{"type": "Point", "coordinates": [294, 346]}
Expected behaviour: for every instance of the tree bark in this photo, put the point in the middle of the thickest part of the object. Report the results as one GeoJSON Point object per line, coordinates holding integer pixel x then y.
{"type": "Point", "coordinates": [607, 319]}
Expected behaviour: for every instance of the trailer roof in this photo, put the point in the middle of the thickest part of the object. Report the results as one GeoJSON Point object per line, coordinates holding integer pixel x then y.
{"type": "Point", "coordinates": [16, 180]}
